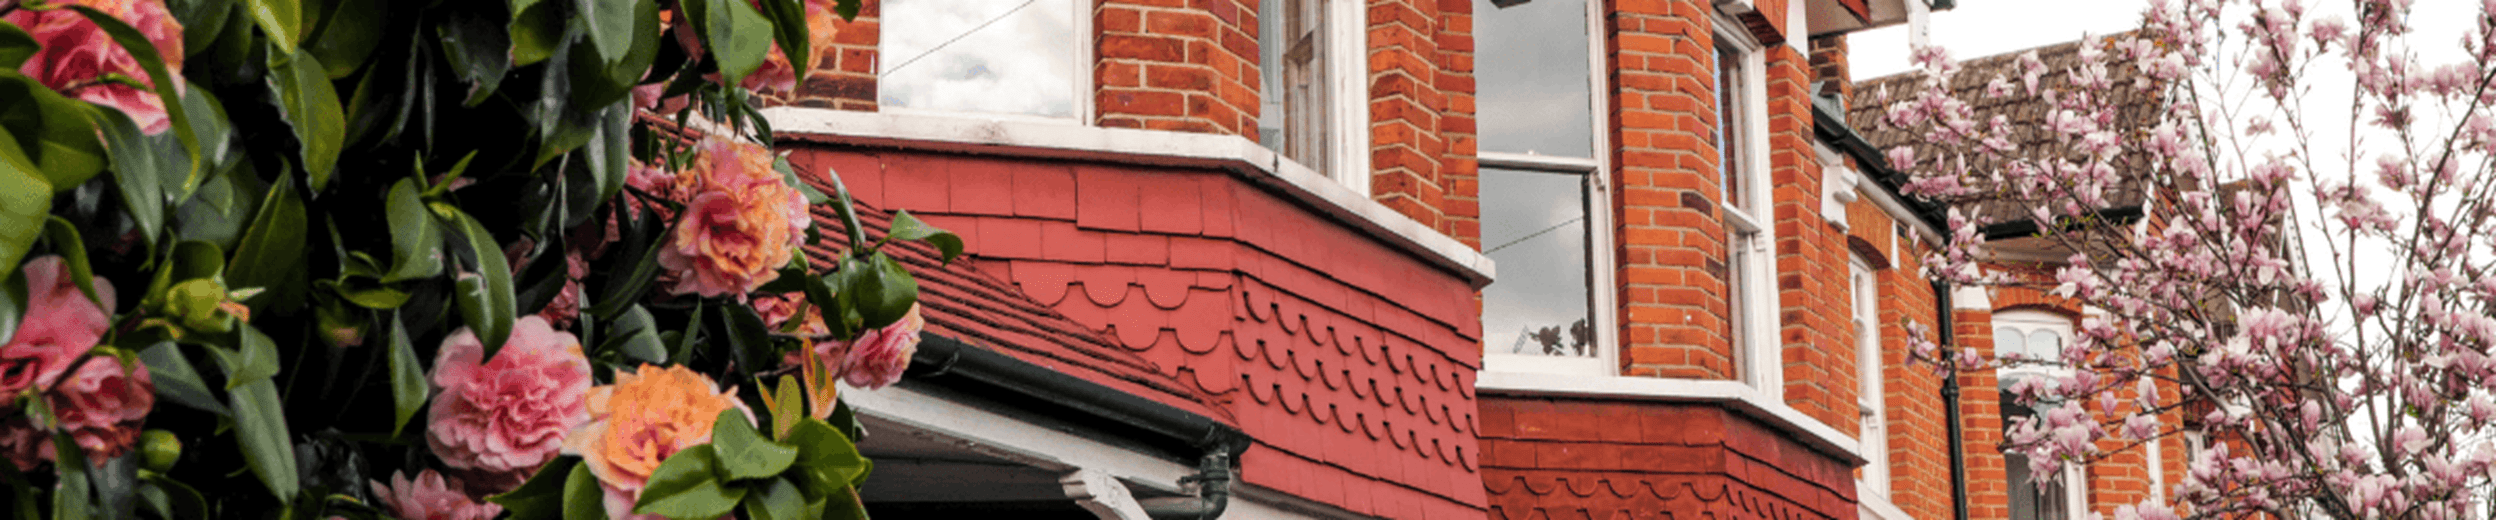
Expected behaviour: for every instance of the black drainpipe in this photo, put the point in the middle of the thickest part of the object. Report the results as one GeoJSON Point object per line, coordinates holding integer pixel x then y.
{"type": "Point", "coordinates": [1950, 402]}
{"type": "Point", "coordinates": [1013, 383]}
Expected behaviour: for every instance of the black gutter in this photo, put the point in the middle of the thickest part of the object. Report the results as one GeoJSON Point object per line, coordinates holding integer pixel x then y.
{"type": "Point", "coordinates": [1180, 434]}
{"type": "Point", "coordinates": [1950, 402]}
{"type": "Point", "coordinates": [1828, 116]}
{"type": "Point", "coordinates": [2028, 227]}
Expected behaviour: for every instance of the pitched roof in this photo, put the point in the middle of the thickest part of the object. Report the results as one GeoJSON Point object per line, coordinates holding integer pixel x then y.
{"type": "Point", "coordinates": [2024, 111]}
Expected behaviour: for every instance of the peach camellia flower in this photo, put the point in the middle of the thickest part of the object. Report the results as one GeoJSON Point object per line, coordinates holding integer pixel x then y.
{"type": "Point", "coordinates": [636, 423]}
{"type": "Point", "coordinates": [102, 406]}
{"type": "Point", "coordinates": [76, 54]}
{"type": "Point", "coordinates": [741, 223]}
{"type": "Point", "coordinates": [500, 420]}
{"type": "Point", "coordinates": [430, 496]}
{"type": "Point", "coordinates": [60, 325]}
{"type": "Point", "coordinates": [877, 358]}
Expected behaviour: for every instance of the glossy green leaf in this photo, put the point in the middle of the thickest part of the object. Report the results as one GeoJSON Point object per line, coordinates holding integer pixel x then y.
{"type": "Point", "coordinates": [309, 103]}
{"type": "Point", "coordinates": [25, 201]}
{"type": "Point", "coordinates": [611, 25]}
{"type": "Point", "coordinates": [260, 430]}
{"type": "Point", "coordinates": [158, 75]}
{"type": "Point", "coordinates": [408, 388]}
{"type": "Point", "coordinates": [16, 46]}
{"type": "Point", "coordinates": [254, 360]}
{"type": "Point", "coordinates": [202, 21]}
{"type": "Point", "coordinates": [778, 500]}
{"type": "Point", "coordinates": [537, 31]}
{"type": "Point", "coordinates": [73, 495]}
{"type": "Point", "coordinates": [749, 341]}
{"type": "Point", "coordinates": [366, 292]}
{"type": "Point", "coordinates": [55, 132]}
{"type": "Point", "coordinates": [542, 496]}
{"type": "Point", "coordinates": [788, 404]}
{"type": "Point", "coordinates": [136, 174]}
{"type": "Point", "coordinates": [885, 291]}
{"type": "Point", "coordinates": [635, 335]}
{"type": "Point", "coordinates": [907, 227]}
{"type": "Point", "coordinates": [788, 22]}
{"type": "Point", "coordinates": [478, 50]}
{"type": "Point", "coordinates": [687, 485]}
{"type": "Point", "coordinates": [65, 241]}
{"type": "Point", "coordinates": [736, 35]}
{"type": "Point", "coordinates": [415, 240]}
{"type": "Point", "coordinates": [348, 35]}
{"type": "Point", "coordinates": [743, 452]}
{"type": "Point", "coordinates": [272, 255]}
{"type": "Point", "coordinates": [640, 267]}
{"type": "Point", "coordinates": [281, 20]}
{"type": "Point", "coordinates": [827, 461]}
{"type": "Point", "coordinates": [845, 419]}
{"type": "Point", "coordinates": [485, 300]}
{"type": "Point", "coordinates": [170, 499]}
{"type": "Point", "coordinates": [847, 209]}
{"type": "Point", "coordinates": [177, 381]}
{"type": "Point", "coordinates": [116, 484]}
{"type": "Point", "coordinates": [582, 497]}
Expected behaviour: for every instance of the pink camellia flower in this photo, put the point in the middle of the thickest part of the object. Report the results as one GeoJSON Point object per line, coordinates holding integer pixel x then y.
{"type": "Point", "coordinates": [877, 358]}
{"type": "Point", "coordinates": [502, 419]}
{"type": "Point", "coordinates": [430, 496]}
{"type": "Point", "coordinates": [76, 54]}
{"type": "Point", "coordinates": [102, 405]}
{"type": "Point", "coordinates": [23, 444]}
{"type": "Point", "coordinates": [60, 325]}
{"type": "Point", "coordinates": [740, 224]}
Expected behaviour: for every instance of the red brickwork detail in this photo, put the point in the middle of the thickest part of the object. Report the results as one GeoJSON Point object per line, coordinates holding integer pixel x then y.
{"type": "Point", "coordinates": [1812, 288]}
{"type": "Point", "coordinates": [1461, 206]}
{"type": "Point", "coordinates": [845, 78]}
{"type": "Point", "coordinates": [1406, 104]}
{"type": "Point", "coordinates": [1560, 458]}
{"type": "Point", "coordinates": [1672, 257]}
{"type": "Point", "coordinates": [1351, 363]}
{"type": "Point", "coordinates": [1188, 66]}
{"type": "Point", "coordinates": [1830, 65]}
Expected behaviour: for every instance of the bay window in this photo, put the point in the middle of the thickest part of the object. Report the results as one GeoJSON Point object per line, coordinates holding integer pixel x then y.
{"type": "Point", "coordinates": [1314, 63]}
{"type": "Point", "coordinates": [1546, 215]}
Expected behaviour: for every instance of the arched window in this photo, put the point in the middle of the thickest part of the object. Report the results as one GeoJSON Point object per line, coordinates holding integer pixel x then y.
{"type": "Point", "coordinates": [2039, 336]}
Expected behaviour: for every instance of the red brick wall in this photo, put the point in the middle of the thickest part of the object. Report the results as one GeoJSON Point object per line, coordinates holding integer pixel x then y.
{"type": "Point", "coordinates": [1405, 107]}
{"type": "Point", "coordinates": [1672, 254]}
{"type": "Point", "coordinates": [1184, 65]}
{"type": "Point", "coordinates": [1563, 458]}
{"type": "Point", "coordinates": [1461, 207]}
{"type": "Point", "coordinates": [845, 79]}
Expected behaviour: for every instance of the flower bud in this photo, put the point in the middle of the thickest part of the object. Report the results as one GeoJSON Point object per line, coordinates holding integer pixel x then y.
{"type": "Point", "coordinates": [159, 450]}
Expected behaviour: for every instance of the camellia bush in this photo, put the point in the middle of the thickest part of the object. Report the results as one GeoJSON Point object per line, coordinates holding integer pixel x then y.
{"type": "Point", "coordinates": [2312, 292]}
{"type": "Point", "coordinates": [428, 259]}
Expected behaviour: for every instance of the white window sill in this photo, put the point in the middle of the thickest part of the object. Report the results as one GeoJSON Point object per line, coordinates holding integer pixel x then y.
{"type": "Point", "coordinates": [1734, 395]}
{"type": "Point", "coordinates": [1132, 146]}
{"type": "Point", "coordinates": [1876, 506]}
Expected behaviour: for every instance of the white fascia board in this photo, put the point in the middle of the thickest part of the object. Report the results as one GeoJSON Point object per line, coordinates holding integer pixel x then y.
{"type": "Point", "coordinates": [1971, 298]}
{"type": "Point", "coordinates": [1012, 438]}
{"type": "Point", "coordinates": [1144, 147]}
{"type": "Point", "coordinates": [1733, 395]}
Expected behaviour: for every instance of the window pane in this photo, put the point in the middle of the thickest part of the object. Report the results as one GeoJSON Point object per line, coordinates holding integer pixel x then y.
{"type": "Point", "coordinates": [2009, 341]}
{"type": "Point", "coordinates": [1536, 231]}
{"type": "Point", "coordinates": [2045, 344]}
{"type": "Point", "coordinates": [1729, 125]}
{"type": "Point", "coordinates": [1022, 63]}
{"type": "Point", "coordinates": [1531, 67]}
{"type": "Point", "coordinates": [1292, 48]}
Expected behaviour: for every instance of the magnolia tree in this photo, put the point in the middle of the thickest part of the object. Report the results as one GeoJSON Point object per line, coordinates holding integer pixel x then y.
{"type": "Point", "coordinates": [424, 259]}
{"type": "Point", "coordinates": [2310, 291]}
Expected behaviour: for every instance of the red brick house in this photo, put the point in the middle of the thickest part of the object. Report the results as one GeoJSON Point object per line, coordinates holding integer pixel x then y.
{"type": "Point", "coordinates": [1236, 258]}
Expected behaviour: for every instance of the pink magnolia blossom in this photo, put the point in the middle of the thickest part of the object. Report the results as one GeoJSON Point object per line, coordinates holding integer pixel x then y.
{"type": "Point", "coordinates": [60, 325]}
{"type": "Point", "coordinates": [76, 54]}
{"type": "Point", "coordinates": [430, 496]}
{"type": "Point", "coordinates": [503, 418]}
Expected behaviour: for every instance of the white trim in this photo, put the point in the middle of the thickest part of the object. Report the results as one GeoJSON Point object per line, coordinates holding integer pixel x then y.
{"type": "Point", "coordinates": [1102, 494]}
{"type": "Point", "coordinates": [1970, 298]}
{"type": "Point", "coordinates": [1234, 153]}
{"type": "Point", "coordinates": [1014, 439]}
{"type": "Point", "coordinates": [1347, 72]}
{"type": "Point", "coordinates": [1761, 355]}
{"type": "Point", "coordinates": [1870, 396]}
{"type": "Point", "coordinates": [1877, 507]}
{"type": "Point", "coordinates": [1734, 395]}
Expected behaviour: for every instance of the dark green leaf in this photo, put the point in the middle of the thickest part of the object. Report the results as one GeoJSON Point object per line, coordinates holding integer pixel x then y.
{"type": "Point", "coordinates": [407, 377]}
{"type": "Point", "coordinates": [845, 419]}
{"type": "Point", "coordinates": [281, 20]}
{"type": "Point", "coordinates": [348, 35]}
{"type": "Point", "coordinates": [743, 452]}
{"type": "Point", "coordinates": [687, 486]}
{"type": "Point", "coordinates": [255, 361]}
{"type": "Point", "coordinates": [736, 35]}
{"type": "Point", "coordinates": [749, 342]}
{"type": "Point", "coordinates": [364, 291]}
{"type": "Point", "coordinates": [778, 500]}
{"type": "Point", "coordinates": [536, 32]}
{"type": "Point", "coordinates": [72, 496]}
{"type": "Point", "coordinates": [847, 9]}
{"type": "Point", "coordinates": [582, 498]}
{"type": "Point", "coordinates": [73, 250]}
{"type": "Point", "coordinates": [542, 496]}
{"type": "Point", "coordinates": [309, 102]}
{"type": "Point", "coordinates": [25, 201]}
{"type": "Point", "coordinates": [478, 49]}
{"type": "Point", "coordinates": [201, 21]}
{"type": "Point", "coordinates": [136, 173]}
{"type": "Point", "coordinates": [907, 227]}
{"type": "Point", "coordinates": [685, 341]}
{"type": "Point", "coordinates": [272, 255]}
{"type": "Point", "coordinates": [16, 47]}
{"type": "Point", "coordinates": [159, 76]}
{"type": "Point", "coordinates": [848, 210]}
{"type": "Point", "coordinates": [827, 461]}
{"type": "Point", "coordinates": [56, 133]}
{"type": "Point", "coordinates": [415, 240]}
{"type": "Point", "coordinates": [844, 504]}
{"type": "Point", "coordinates": [640, 267]}
{"type": "Point", "coordinates": [172, 500]}
{"type": "Point", "coordinates": [788, 22]}
{"type": "Point", "coordinates": [177, 381]}
{"type": "Point", "coordinates": [788, 404]}
{"type": "Point", "coordinates": [611, 25]}
{"type": "Point", "coordinates": [260, 429]}
{"type": "Point", "coordinates": [636, 336]}
{"type": "Point", "coordinates": [116, 486]}
{"type": "Point", "coordinates": [485, 300]}
{"type": "Point", "coordinates": [885, 291]}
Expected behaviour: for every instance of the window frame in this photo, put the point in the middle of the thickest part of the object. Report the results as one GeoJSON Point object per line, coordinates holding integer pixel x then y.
{"type": "Point", "coordinates": [1864, 283]}
{"type": "Point", "coordinates": [2074, 485]}
{"type": "Point", "coordinates": [1084, 59]}
{"type": "Point", "coordinates": [1345, 62]}
{"type": "Point", "coordinates": [1603, 314]}
{"type": "Point", "coordinates": [1749, 237]}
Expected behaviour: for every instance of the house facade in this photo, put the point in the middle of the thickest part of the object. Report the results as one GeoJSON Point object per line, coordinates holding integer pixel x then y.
{"type": "Point", "coordinates": [1404, 259]}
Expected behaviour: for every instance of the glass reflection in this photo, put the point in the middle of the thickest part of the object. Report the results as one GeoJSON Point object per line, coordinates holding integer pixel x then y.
{"type": "Point", "coordinates": [1531, 67]}
{"type": "Point", "coordinates": [1011, 56]}
{"type": "Point", "coordinates": [1535, 229]}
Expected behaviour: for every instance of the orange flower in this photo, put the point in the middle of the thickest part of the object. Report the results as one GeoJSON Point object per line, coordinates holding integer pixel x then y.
{"type": "Point", "coordinates": [647, 415]}
{"type": "Point", "coordinates": [742, 224]}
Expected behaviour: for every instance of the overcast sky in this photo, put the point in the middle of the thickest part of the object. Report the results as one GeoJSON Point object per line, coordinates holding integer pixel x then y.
{"type": "Point", "coordinates": [1021, 62]}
